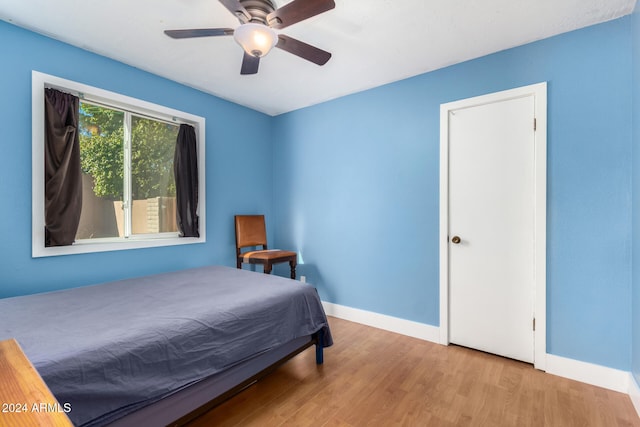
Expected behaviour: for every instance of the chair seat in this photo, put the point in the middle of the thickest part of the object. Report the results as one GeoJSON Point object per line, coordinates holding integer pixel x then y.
{"type": "Point", "coordinates": [267, 255]}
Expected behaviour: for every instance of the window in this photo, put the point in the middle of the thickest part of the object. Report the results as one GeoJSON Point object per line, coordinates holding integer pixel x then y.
{"type": "Point", "coordinates": [127, 174]}
{"type": "Point", "coordinates": [126, 153]}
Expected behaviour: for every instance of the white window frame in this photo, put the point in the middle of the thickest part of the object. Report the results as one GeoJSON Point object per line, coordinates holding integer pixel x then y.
{"type": "Point", "coordinates": [39, 82]}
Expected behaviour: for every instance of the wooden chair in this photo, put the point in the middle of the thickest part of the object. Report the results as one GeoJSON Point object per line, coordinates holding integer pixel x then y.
{"type": "Point", "coordinates": [251, 232]}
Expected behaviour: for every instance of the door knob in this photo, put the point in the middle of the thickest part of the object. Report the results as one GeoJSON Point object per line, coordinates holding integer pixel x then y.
{"type": "Point", "coordinates": [455, 240]}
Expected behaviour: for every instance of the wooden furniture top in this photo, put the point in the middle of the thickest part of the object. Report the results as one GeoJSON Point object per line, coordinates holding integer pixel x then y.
{"type": "Point", "coordinates": [25, 400]}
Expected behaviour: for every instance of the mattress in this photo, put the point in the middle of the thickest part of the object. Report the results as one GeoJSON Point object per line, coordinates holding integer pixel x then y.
{"type": "Point", "coordinates": [112, 348]}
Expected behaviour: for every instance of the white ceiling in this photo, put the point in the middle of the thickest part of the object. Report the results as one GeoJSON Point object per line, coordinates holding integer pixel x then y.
{"type": "Point", "coordinates": [373, 42]}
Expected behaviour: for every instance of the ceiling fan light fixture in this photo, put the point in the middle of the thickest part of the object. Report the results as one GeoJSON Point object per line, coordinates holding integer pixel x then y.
{"type": "Point", "coordinates": [255, 39]}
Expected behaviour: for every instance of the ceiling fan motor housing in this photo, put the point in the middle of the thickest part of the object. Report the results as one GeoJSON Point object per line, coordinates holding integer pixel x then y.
{"type": "Point", "coordinates": [259, 10]}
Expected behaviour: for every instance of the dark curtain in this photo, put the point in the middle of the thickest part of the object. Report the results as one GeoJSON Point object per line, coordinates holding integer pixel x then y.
{"type": "Point", "coordinates": [63, 175]}
{"type": "Point", "coordinates": [185, 169]}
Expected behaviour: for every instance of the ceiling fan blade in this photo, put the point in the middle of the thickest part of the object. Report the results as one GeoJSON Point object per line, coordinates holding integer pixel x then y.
{"type": "Point", "coordinates": [250, 64]}
{"type": "Point", "coordinates": [237, 9]}
{"type": "Point", "coordinates": [303, 50]}
{"type": "Point", "coordinates": [298, 10]}
{"type": "Point", "coordinates": [201, 32]}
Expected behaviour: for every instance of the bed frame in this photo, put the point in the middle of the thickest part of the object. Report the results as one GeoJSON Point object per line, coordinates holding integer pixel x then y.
{"type": "Point", "coordinates": [197, 399]}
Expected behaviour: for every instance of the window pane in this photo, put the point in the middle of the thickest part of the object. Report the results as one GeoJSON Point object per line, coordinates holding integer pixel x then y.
{"type": "Point", "coordinates": [153, 187]}
{"type": "Point", "coordinates": [101, 156]}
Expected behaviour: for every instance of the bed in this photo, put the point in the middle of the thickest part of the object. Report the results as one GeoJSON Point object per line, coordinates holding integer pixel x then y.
{"type": "Point", "coordinates": [161, 349]}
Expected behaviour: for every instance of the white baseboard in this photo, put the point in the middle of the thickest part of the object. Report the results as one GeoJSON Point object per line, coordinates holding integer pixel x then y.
{"type": "Point", "coordinates": [634, 393]}
{"type": "Point", "coordinates": [589, 373]}
{"type": "Point", "coordinates": [382, 321]}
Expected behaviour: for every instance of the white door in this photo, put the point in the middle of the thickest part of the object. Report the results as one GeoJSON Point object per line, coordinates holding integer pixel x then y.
{"type": "Point", "coordinates": [491, 227]}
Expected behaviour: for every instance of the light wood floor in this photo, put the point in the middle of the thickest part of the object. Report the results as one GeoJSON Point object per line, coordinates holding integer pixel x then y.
{"type": "Point", "coordinates": [372, 377]}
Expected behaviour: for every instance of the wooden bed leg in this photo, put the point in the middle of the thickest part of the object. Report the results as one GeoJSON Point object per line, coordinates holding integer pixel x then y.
{"type": "Point", "coordinates": [320, 348]}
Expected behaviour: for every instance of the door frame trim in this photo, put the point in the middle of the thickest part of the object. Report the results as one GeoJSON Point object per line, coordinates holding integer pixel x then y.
{"type": "Point", "coordinates": [539, 92]}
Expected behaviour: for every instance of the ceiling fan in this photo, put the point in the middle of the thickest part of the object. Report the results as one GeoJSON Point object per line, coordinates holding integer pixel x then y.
{"type": "Point", "coordinates": [256, 34]}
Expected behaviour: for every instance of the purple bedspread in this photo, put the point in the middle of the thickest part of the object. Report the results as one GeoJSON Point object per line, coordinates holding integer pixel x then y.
{"type": "Point", "coordinates": [109, 349]}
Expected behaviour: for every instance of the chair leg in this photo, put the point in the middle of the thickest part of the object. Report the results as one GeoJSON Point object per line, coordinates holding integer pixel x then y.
{"type": "Point", "coordinates": [267, 268]}
{"type": "Point", "coordinates": [238, 263]}
{"type": "Point", "coordinates": [292, 265]}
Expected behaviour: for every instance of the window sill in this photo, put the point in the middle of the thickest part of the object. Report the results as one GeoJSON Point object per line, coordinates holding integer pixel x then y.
{"type": "Point", "coordinates": [105, 245]}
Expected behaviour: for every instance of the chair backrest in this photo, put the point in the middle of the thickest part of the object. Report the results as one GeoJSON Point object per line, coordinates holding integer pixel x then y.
{"type": "Point", "coordinates": [250, 231]}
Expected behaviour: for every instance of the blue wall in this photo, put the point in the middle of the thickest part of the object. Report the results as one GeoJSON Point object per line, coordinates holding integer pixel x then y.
{"type": "Point", "coordinates": [636, 194]}
{"type": "Point", "coordinates": [357, 188]}
{"type": "Point", "coordinates": [238, 178]}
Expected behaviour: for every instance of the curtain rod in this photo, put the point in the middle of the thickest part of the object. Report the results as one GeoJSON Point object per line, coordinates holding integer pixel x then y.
{"type": "Point", "coordinates": [130, 109]}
